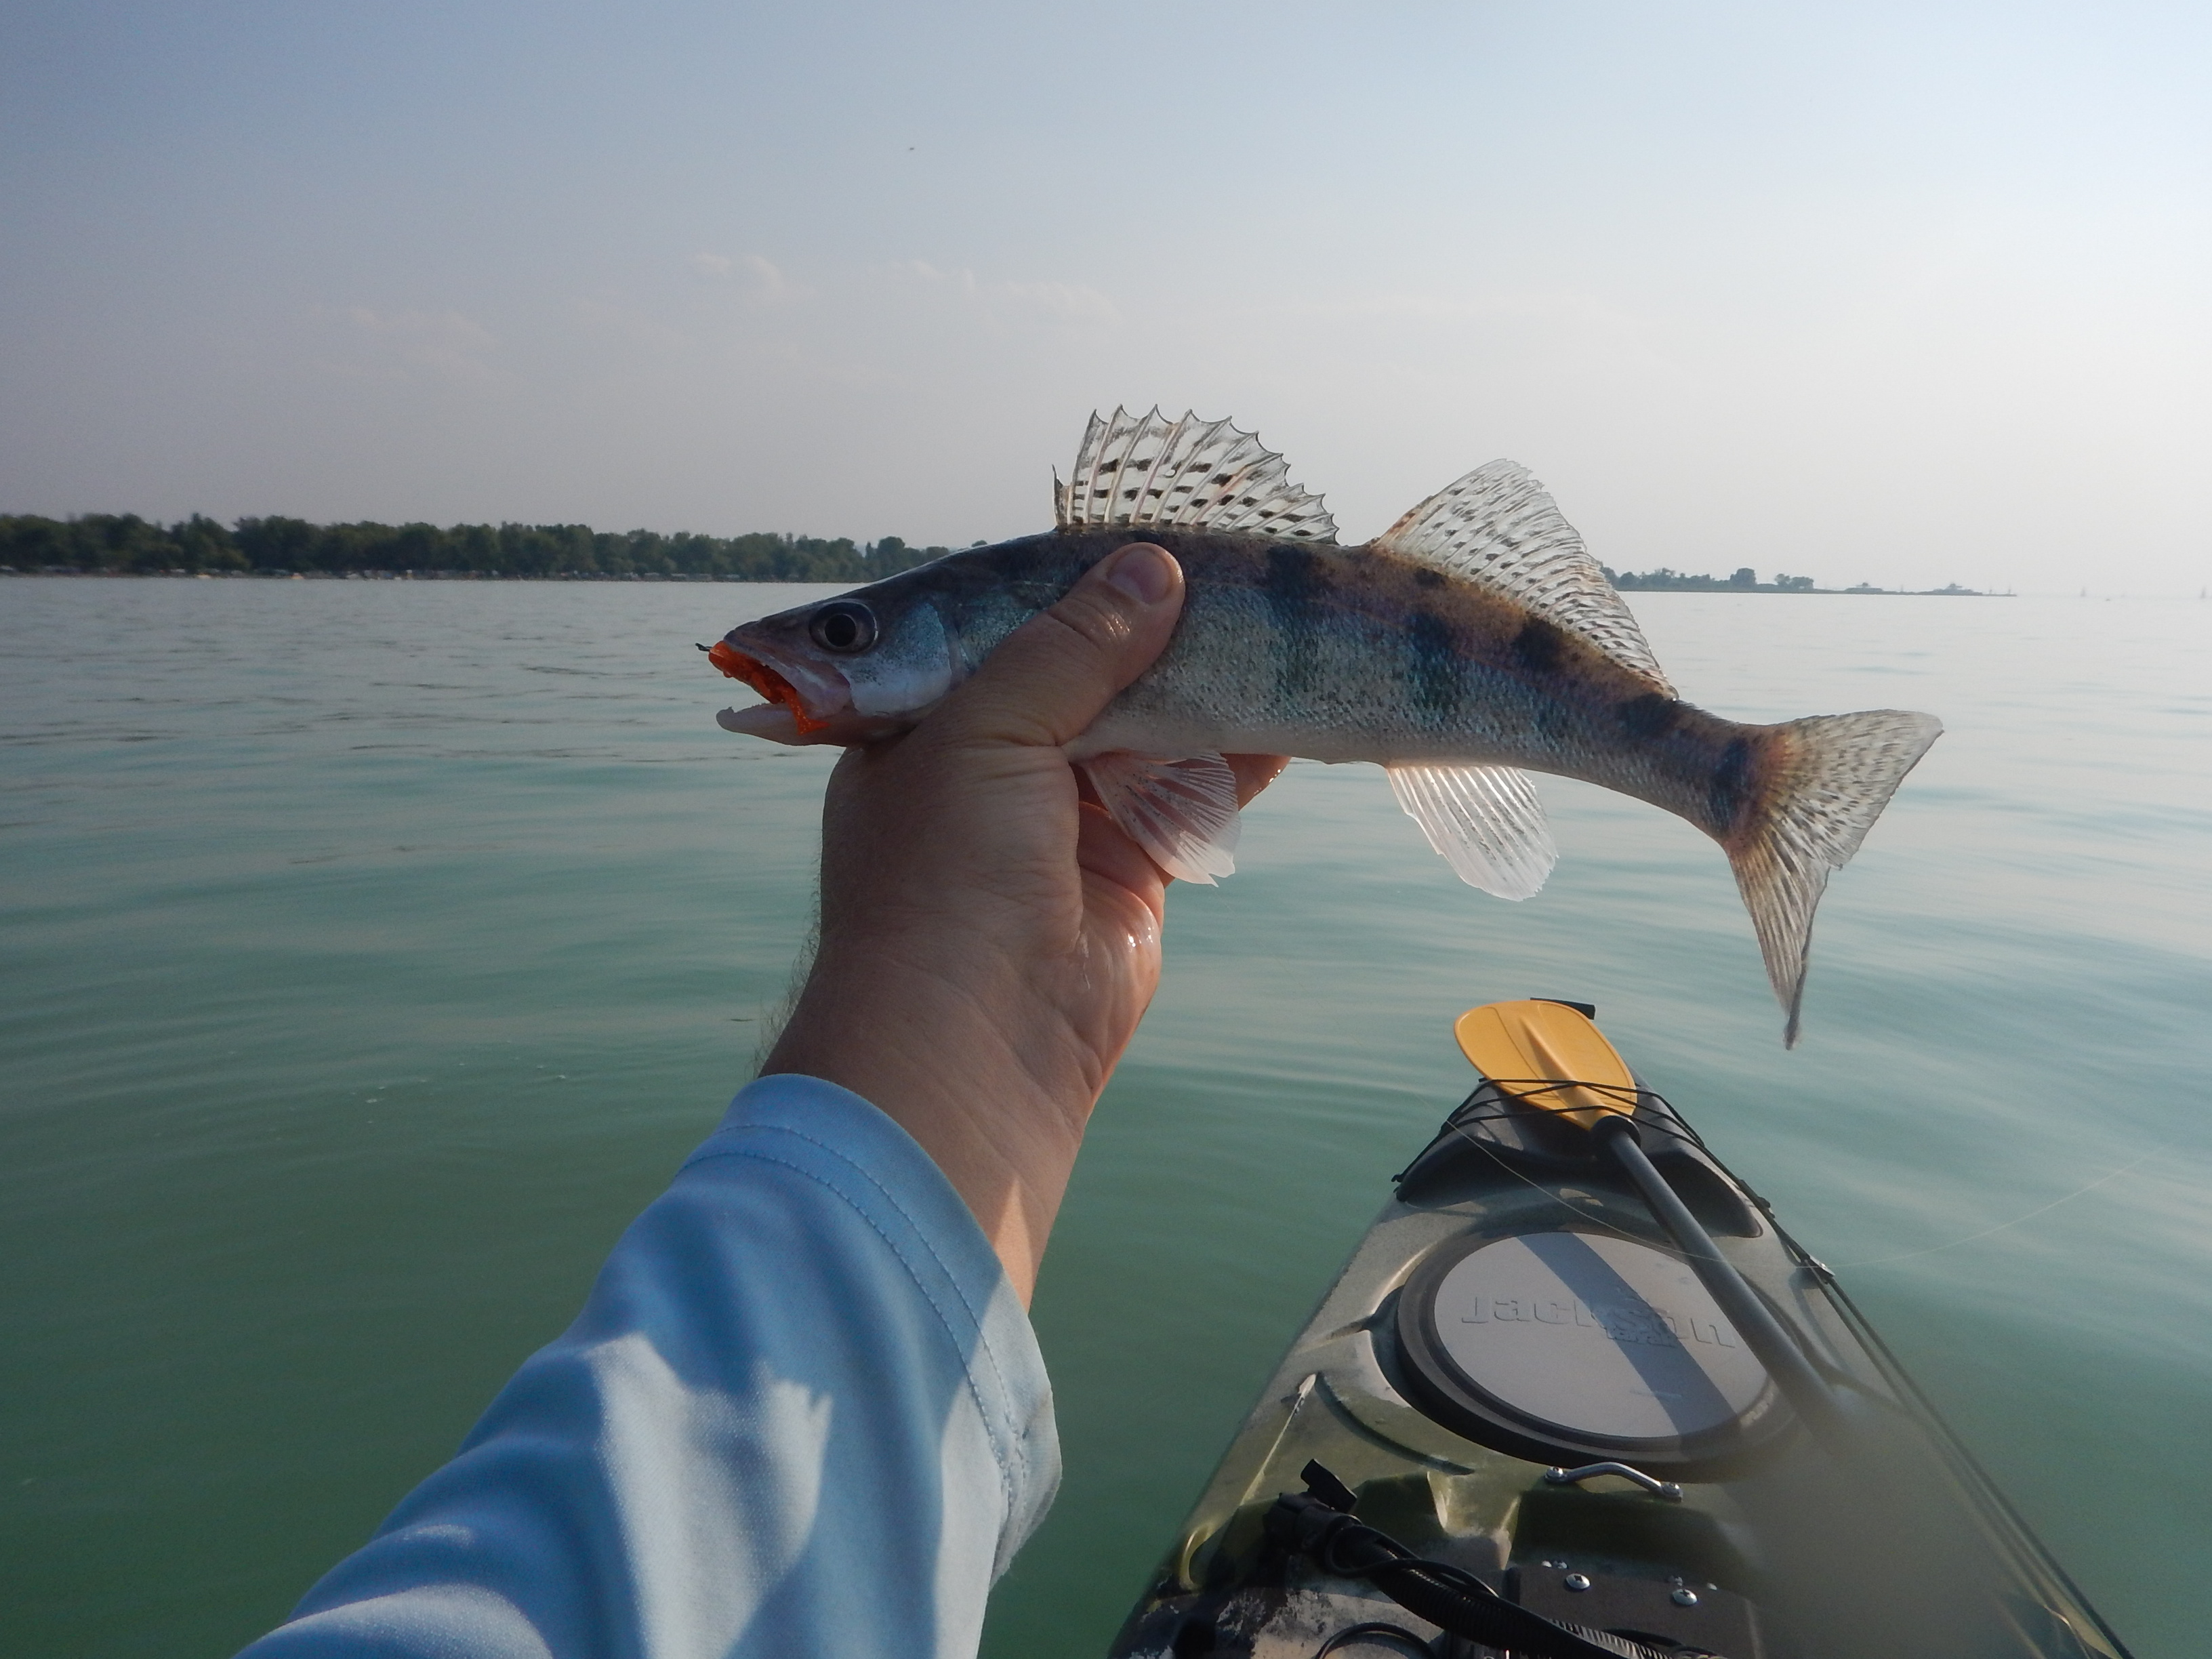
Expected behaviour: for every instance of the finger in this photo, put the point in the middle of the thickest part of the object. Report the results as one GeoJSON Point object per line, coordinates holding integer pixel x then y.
{"type": "Point", "coordinates": [1049, 681]}
{"type": "Point", "coordinates": [1255, 773]}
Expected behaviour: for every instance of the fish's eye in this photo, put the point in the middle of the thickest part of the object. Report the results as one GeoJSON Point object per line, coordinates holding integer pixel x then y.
{"type": "Point", "coordinates": [843, 626]}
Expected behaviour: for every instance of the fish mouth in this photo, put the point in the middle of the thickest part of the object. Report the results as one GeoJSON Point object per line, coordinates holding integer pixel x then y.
{"type": "Point", "coordinates": [804, 705]}
{"type": "Point", "coordinates": [769, 683]}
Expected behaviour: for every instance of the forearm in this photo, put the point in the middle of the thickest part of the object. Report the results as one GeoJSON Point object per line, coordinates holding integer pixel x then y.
{"type": "Point", "coordinates": [986, 1078]}
{"type": "Point", "coordinates": [802, 1413]}
{"type": "Point", "coordinates": [989, 941]}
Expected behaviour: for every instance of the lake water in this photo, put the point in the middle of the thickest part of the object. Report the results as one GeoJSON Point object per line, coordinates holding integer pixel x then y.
{"type": "Point", "coordinates": [376, 950]}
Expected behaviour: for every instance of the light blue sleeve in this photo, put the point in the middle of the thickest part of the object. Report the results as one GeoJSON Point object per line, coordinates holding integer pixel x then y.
{"type": "Point", "coordinates": [802, 1413]}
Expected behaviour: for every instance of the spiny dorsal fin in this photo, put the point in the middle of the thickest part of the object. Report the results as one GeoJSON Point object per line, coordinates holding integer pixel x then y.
{"type": "Point", "coordinates": [1497, 529]}
{"type": "Point", "coordinates": [1190, 472]}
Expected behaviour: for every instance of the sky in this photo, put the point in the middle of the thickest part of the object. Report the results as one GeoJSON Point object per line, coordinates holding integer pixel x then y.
{"type": "Point", "coordinates": [1907, 293]}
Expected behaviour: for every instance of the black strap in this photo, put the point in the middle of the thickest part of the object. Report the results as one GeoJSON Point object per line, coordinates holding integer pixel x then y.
{"type": "Point", "coordinates": [1376, 1635]}
{"type": "Point", "coordinates": [1447, 1597]}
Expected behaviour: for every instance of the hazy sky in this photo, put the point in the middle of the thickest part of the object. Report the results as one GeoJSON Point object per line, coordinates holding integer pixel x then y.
{"type": "Point", "coordinates": [1907, 293]}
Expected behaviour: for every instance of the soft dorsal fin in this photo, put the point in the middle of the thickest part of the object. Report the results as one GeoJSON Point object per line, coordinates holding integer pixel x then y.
{"type": "Point", "coordinates": [1496, 528]}
{"type": "Point", "coordinates": [1133, 470]}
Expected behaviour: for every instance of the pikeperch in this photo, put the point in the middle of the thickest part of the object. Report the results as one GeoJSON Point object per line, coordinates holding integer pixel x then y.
{"type": "Point", "coordinates": [1474, 642]}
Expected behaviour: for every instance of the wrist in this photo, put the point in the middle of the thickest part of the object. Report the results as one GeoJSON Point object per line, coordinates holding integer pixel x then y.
{"type": "Point", "coordinates": [977, 1066]}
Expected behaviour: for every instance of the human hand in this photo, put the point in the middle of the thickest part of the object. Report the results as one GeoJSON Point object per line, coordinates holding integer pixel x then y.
{"type": "Point", "coordinates": [989, 939]}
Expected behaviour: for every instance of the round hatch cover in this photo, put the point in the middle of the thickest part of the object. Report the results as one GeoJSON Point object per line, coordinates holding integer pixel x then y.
{"type": "Point", "coordinates": [1575, 1346]}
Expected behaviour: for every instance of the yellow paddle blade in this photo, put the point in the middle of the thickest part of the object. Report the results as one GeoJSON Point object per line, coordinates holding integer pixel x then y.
{"type": "Point", "coordinates": [1522, 1047]}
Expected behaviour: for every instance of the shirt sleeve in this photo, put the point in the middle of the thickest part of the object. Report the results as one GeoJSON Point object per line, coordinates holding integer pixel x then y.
{"type": "Point", "coordinates": [802, 1413]}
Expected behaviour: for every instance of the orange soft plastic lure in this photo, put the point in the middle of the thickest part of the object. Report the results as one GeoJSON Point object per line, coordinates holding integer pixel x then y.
{"type": "Point", "coordinates": [764, 680]}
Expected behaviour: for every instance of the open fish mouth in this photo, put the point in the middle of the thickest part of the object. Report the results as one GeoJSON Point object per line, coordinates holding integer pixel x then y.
{"type": "Point", "coordinates": [803, 705]}
{"type": "Point", "coordinates": [766, 680]}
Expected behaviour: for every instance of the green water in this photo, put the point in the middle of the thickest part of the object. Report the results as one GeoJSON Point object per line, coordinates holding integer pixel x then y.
{"type": "Point", "coordinates": [373, 952]}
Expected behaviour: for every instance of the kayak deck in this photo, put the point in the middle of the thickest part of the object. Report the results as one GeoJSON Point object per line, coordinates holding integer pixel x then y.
{"type": "Point", "coordinates": [1515, 1316]}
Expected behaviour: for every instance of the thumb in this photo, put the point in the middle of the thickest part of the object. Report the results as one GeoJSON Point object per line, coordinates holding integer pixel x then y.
{"type": "Point", "coordinates": [1054, 674]}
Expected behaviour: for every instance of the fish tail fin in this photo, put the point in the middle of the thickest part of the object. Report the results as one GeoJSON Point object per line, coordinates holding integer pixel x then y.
{"type": "Point", "coordinates": [1824, 782]}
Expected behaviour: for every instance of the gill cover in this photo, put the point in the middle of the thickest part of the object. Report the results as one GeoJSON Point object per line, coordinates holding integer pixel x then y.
{"type": "Point", "coordinates": [906, 665]}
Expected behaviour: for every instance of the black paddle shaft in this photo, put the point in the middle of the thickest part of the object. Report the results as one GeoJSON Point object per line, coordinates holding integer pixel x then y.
{"type": "Point", "coordinates": [1805, 1388]}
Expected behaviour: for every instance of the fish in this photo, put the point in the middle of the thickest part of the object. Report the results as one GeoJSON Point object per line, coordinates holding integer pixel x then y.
{"type": "Point", "coordinates": [1474, 642]}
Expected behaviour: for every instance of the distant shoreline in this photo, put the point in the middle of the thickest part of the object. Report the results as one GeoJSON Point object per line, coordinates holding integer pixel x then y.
{"type": "Point", "coordinates": [125, 544]}
{"type": "Point", "coordinates": [1625, 586]}
{"type": "Point", "coordinates": [1746, 580]}
{"type": "Point", "coordinates": [1953, 591]}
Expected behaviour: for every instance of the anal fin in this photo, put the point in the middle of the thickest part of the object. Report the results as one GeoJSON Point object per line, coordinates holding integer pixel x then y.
{"type": "Point", "coordinates": [1486, 820]}
{"type": "Point", "coordinates": [1182, 813]}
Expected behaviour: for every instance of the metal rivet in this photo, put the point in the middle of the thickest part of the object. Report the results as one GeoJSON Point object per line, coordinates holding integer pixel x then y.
{"type": "Point", "coordinates": [1685, 1598]}
{"type": "Point", "coordinates": [1575, 1580]}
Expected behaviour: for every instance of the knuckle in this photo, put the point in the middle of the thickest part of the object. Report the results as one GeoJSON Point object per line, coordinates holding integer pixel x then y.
{"type": "Point", "coordinates": [1095, 617]}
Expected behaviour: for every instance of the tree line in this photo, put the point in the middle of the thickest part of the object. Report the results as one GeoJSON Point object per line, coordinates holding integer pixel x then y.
{"type": "Point", "coordinates": [123, 543]}
{"type": "Point", "coordinates": [1665, 581]}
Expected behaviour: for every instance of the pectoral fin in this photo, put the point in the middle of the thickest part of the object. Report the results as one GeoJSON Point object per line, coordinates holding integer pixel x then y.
{"type": "Point", "coordinates": [1182, 813]}
{"type": "Point", "coordinates": [1486, 820]}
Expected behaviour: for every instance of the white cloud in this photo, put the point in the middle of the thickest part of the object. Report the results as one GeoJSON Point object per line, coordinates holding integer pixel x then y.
{"type": "Point", "coordinates": [1062, 302]}
{"type": "Point", "coordinates": [757, 276]}
{"type": "Point", "coordinates": [632, 329]}
{"type": "Point", "coordinates": [406, 344]}
{"type": "Point", "coordinates": [1069, 303]}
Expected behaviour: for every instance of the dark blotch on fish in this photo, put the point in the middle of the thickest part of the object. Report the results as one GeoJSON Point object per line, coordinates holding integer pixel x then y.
{"type": "Point", "coordinates": [1650, 716]}
{"type": "Point", "coordinates": [1536, 647]}
{"type": "Point", "coordinates": [1295, 590]}
{"type": "Point", "coordinates": [1432, 659]}
{"type": "Point", "coordinates": [1730, 787]}
{"type": "Point", "coordinates": [1425, 577]}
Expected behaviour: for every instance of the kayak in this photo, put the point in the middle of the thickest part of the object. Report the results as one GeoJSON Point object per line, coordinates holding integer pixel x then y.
{"type": "Point", "coordinates": [1577, 1394]}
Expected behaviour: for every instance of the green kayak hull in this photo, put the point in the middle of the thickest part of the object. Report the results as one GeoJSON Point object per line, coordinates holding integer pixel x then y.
{"type": "Point", "coordinates": [1515, 1319]}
